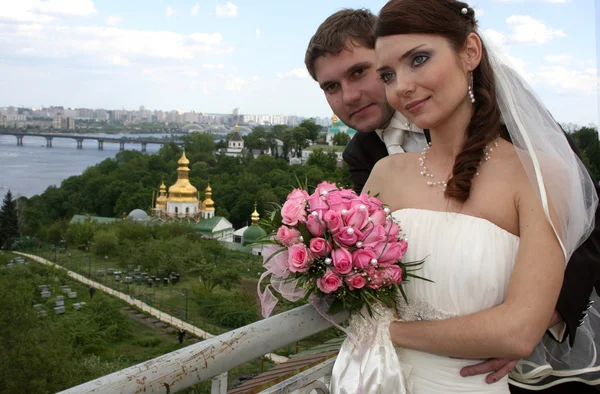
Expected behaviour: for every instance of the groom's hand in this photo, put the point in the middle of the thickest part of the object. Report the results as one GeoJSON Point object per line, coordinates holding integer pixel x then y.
{"type": "Point", "coordinates": [499, 367]}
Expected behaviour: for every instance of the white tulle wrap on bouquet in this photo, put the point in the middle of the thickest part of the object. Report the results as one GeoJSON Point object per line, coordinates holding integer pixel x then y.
{"type": "Point", "coordinates": [367, 362]}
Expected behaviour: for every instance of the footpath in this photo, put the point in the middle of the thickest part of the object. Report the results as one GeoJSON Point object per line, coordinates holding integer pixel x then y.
{"type": "Point", "coordinates": [140, 305]}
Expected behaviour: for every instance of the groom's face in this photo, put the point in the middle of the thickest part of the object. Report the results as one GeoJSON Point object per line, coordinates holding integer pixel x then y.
{"type": "Point", "coordinates": [353, 88]}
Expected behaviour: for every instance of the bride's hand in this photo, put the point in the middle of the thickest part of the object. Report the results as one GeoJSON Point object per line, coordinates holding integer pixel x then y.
{"type": "Point", "coordinates": [499, 367]}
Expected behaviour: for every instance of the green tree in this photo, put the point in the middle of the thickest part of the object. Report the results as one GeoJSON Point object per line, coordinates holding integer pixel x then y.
{"type": "Point", "coordinates": [341, 139]}
{"type": "Point", "coordinates": [9, 220]}
{"type": "Point", "coordinates": [105, 243]}
{"type": "Point", "coordinates": [586, 139]}
{"type": "Point", "coordinates": [325, 161]}
{"type": "Point", "coordinates": [312, 128]}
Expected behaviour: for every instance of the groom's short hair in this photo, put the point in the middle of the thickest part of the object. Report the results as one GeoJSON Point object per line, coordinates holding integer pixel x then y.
{"type": "Point", "coordinates": [345, 28]}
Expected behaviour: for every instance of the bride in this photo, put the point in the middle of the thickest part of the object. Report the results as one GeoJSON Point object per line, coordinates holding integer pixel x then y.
{"type": "Point", "coordinates": [497, 202]}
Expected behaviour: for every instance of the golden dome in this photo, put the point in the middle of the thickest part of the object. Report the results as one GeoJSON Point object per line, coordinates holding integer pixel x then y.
{"type": "Point", "coordinates": [183, 161]}
{"type": "Point", "coordinates": [208, 204]}
{"type": "Point", "coordinates": [334, 119]}
{"type": "Point", "coordinates": [161, 200]}
{"type": "Point", "coordinates": [183, 190]}
{"type": "Point", "coordinates": [255, 216]}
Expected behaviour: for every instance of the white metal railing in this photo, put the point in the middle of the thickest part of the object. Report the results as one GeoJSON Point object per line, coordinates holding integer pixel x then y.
{"type": "Point", "coordinates": [204, 360]}
{"type": "Point", "coordinates": [214, 357]}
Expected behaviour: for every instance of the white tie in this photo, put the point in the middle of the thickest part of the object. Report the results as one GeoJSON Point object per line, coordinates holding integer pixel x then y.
{"type": "Point", "coordinates": [394, 135]}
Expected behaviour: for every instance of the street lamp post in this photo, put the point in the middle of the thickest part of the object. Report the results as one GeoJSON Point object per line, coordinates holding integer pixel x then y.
{"type": "Point", "coordinates": [184, 293]}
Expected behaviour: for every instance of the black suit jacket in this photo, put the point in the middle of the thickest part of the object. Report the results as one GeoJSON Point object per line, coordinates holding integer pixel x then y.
{"type": "Point", "coordinates": [365, 149]}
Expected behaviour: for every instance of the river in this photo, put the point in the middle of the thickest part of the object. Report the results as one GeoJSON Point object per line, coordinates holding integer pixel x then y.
{"type": "Point", "coordinates": [29, 169]}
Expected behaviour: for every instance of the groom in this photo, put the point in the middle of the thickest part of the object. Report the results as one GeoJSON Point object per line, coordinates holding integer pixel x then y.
{"type": "Point", "coordinates": [341, 58]}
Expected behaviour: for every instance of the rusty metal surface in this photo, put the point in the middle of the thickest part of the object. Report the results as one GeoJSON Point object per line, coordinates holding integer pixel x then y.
{"type": "Point", "coordinates": [185, 367]}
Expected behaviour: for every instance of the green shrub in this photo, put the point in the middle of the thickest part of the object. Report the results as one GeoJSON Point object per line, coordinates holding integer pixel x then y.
{"type": "Point", "coordinates": [105, 243]}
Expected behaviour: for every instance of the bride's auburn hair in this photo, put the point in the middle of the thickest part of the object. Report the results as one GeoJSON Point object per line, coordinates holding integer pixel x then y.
{"type": "Point", "coordinates": [445, 18]}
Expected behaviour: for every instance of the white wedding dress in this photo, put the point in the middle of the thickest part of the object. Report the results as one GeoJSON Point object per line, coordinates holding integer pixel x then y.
{"type": "Point", "coordinates": [470, 260]}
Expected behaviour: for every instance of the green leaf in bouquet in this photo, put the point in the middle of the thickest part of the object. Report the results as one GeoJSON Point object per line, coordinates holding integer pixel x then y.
{"type": "Point", "coordinates": [419, 277]}
{"type": "Point", "coordinates": [336, 306]}
{"type": "Point", "coordinates": [305, 233]}
{"type": "Point", "coordinates": [401, 289]}
{"type": "Point", "coordinates": [414, 263]}
{"type": "Point", "coordinates": [299, 184]}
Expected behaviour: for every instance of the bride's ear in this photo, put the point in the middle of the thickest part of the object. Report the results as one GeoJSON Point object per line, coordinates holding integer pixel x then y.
{"type": "Point", "coordinates": [471, 53]}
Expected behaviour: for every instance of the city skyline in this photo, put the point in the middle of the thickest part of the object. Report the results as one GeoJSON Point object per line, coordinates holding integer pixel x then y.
{"type": "Point", "coordinates": [212, 56]}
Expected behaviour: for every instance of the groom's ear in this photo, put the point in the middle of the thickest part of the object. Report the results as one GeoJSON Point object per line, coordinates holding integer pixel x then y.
{"type": "Point", "coordinates": [472, 51]}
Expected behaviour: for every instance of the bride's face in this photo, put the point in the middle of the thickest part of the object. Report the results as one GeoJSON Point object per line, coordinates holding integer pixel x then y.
{"type": "Point", "coordinates": [425, 78]}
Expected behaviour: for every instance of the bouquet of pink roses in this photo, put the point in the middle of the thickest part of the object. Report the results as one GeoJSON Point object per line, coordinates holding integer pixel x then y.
{"type": "Point", "coordinates": [338, 246]}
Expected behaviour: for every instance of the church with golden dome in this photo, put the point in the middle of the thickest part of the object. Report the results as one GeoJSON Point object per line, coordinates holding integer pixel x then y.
{"type": "Point", "coordinates": [182, 204]}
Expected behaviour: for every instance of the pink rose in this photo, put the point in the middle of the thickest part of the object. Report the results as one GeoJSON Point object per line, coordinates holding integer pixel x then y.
{"type": "Point", "coordinates": [293, 212]}
{"type": "Point", "coordinates": [363, 199]}
{"type": "Point", "coordinates": [356, 281]}
{"type": "Point", "coordinates": [342, 261]}
{"type": "Point", "coordinates": [325, 187]}
{"type": "Point", "coordinates": [403, 246]}
{"type": "Point", "coordinates": [357, 217]}
{"type": "Point", "coordinates": [299, 259]}
{"type": "Point", "coordinates": [337, 201]}
{"type": "Point", "coordinates": [348, 236]}
{"type": "Point", "coordinates": [362, 257]}
{"type": "Point", "coordinates": [333, 220]}
{"type": "Point", "coordinates": [348, 194]}
{"type": "Point", "coordinates": [315, 226]}
{"type": "Point", "coordinates": [298, 195]}
{"type": "Point", "coordinates": [393, 273]}
{"type": "Point", "coordinates": [392, 230]}
{"type": "Point", "coordinates": [288, 236]}
{"type": "Point", "coordinates": [329, 282]}
{"type": "Point", "coordinates": [389, 254]}
{"type": "Point", "coordinates": [320, 247]}
{"type": "Point", "coordinates": [378, 217]}
{"type": "Point", "coordinates": [374, 236]}
{"type": "Point", "coordinates": [375, 204]}
{"type": "Point", "coordinates": [317, 204]}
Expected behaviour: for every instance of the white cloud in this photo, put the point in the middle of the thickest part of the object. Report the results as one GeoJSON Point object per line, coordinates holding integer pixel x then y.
{"type": "Point", "coordinates": [37, 11]}
{"type": "Point", "coordinates": [195, 9]}
{"type": "Point", "coordinates": [227, 10]}
{"type": "Point", "coordinates": [497, 38]}
{"type": "Point", "coordinates": [299, 72]}
{"type": "Point", "coordinates": [235, 84]}
{"type": "Point", "coordinates": [63, 7]}
{"type": "Point", "coordinates": [563, 80]}
{"type": "Point", "coordinates": [559, 59]}
{"type": "Point", "coordinates": [89, 43]}
{"type": "Point", "coordinates": [255, 78]}
{"type": "Point", "coordinates": [119, 61]}
{"type": "Point", "coordinates": [527, 30]}
{"type": "Point", "coordinates": [212, 66]}
{"type": "Point", "coordinates": [479, 12]}
{"type": "Point", "coordinates": [114, 20]}
{"type": "Point", "coordinates": [170, 11]}
{"type": "Point", "coordinates": [257, 32]}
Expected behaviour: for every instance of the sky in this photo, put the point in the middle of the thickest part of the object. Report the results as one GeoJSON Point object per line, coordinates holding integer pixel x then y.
{"type": "Point", "coordinates": [214, 56]}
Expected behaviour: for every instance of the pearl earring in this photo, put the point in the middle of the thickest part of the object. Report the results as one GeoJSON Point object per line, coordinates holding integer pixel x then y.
{"type": "Point", "coordinates": [470, 89]}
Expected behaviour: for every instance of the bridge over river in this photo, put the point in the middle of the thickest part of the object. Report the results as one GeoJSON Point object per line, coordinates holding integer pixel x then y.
{"type": "Point", "coordinates": [81, 137]}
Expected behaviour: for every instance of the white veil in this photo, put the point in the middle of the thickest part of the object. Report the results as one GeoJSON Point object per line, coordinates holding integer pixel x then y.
{"type": "Point", "coordinates": [569, 199]}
